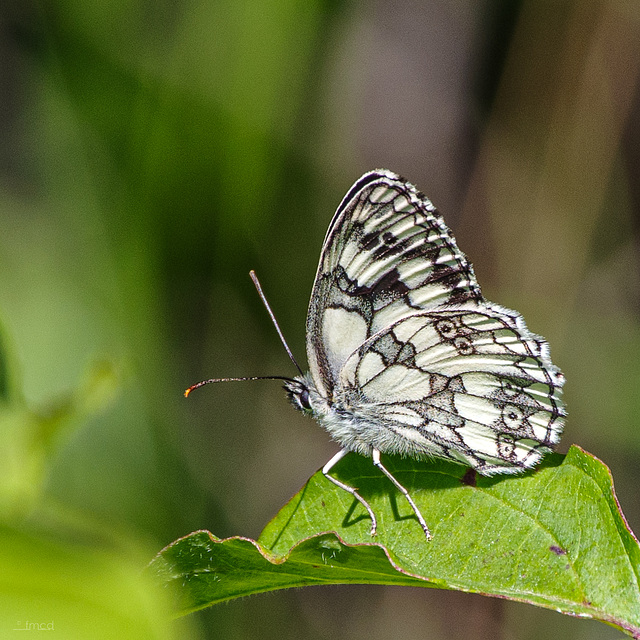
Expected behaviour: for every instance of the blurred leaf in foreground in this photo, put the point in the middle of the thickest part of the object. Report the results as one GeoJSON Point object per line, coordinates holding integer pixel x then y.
{"type": "Point", "coordinates": [77, 591]}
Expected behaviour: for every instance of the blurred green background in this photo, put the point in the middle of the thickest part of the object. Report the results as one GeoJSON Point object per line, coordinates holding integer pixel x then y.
{"type": "Point", "coordinates": [152, 153]}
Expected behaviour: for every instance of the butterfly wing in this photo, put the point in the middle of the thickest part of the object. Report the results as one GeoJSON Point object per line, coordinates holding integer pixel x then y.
{"type": "Point", "coordinates": [475, 386]}
{"type": "Point", "coordinates": [387, 254]}
{"type": "Point", "coordinates": [400, 338]}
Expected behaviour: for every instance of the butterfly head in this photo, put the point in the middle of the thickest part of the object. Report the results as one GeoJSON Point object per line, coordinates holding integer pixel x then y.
{"type": "Point", "coordinates": [304, 396]}
{"type": "Point", "coordinates": [298, 391]}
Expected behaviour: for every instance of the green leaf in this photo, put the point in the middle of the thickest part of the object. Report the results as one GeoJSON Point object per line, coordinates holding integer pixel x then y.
{"type": "Point", "coordinates": [554, 537]}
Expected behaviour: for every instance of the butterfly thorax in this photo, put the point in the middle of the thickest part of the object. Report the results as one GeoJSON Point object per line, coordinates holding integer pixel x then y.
{"type": "Point", "coordinates": [341, 425]}
{"type": "Point", "coordinates": [349, 419]}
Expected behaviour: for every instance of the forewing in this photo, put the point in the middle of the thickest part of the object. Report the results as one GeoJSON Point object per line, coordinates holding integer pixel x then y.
{"type": "Point", "coordinates": [387, 254]}
{"type": "Point", "coordinates": [474, 386]}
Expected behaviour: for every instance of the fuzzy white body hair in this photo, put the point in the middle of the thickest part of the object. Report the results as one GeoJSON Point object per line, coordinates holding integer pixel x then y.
{"type": "Point", "coordinates": [355, 426]}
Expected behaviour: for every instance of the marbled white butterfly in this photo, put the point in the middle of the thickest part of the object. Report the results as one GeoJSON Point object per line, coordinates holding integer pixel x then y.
{"type": "Point", "coordinates": [407, 357]}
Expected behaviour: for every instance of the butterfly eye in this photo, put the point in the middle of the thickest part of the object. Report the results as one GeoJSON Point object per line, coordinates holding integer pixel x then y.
{"type": "Point", "coordinates": [304, 400]}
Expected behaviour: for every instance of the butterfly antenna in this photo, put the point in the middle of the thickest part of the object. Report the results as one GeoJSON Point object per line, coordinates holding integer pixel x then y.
{"type": "Point", "coordinates": [256, 282]}
{"type": "Point", "coordinates": [212, 380]}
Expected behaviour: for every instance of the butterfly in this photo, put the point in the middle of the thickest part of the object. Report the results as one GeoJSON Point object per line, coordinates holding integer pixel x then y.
{"type": "Point", "coordinates": [407, 357]}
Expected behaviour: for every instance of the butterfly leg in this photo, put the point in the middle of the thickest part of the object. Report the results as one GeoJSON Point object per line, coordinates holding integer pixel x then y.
{"type": "Point", "coordinates": [325, 470]}
{"type": "Point", "coordinates": [375, 454]}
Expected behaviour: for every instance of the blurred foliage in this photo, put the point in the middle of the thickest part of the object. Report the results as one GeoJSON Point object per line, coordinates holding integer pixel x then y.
{"type": "Point", "coordinates": [153, 153]}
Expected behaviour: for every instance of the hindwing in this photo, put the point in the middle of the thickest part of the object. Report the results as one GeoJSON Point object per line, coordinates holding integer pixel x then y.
{"type": "Point", "coordinates": [475, 386]}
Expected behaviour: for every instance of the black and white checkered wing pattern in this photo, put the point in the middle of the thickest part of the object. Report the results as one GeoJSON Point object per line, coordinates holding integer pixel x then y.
{"type": "Point", "coordinates": [473, 386]}
{"type": "Point", "coordinates": [387, 255]}
{"type": "Point", "coordinates": [401, 341]}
